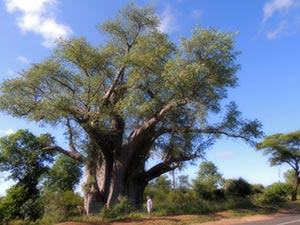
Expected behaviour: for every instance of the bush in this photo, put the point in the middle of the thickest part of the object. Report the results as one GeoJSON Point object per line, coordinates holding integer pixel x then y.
{"type": "Point", "coordinates": [60, 206]}
{"type": "Point", "coordinates": [17, 205]}
{"type": "Point", "coordinates": [31, 210]}
{"type": "Point", "coordinates": [276, 193]}
{"type": "Point", "coordinates": [204, 191]}
{"type": "Point", "coordinates": [120, 210]}
{"type": "Point", "coordinates": [239, 188]}
{"type": "Point", "coordinates": [258, 189]}
{"type": "Point", "coordinates": [180, 203]}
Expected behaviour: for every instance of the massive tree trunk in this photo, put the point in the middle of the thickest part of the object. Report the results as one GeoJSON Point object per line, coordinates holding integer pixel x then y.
{"type": "Point", "coordinates": [112, 182]}
{"type": "Point", "coordinates": [116, 188]}
{"type": "Point", "coordinates": [120, 168]}
{"type": "Point", "coordinates": [135, 187]}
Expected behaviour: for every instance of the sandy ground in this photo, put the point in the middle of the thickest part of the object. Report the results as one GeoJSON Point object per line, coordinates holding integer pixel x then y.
{"type": "Point", "coordinates": [220, 218]}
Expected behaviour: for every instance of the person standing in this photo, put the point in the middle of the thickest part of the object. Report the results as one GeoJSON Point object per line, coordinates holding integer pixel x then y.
{"type": "Point", "coordinates": [149, 205]}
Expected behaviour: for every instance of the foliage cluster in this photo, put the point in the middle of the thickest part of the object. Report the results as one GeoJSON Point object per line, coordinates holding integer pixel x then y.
{"type": "Point", "coordinates": [277, 192]}
{"type": "Point", "coordinates": [60, 206]}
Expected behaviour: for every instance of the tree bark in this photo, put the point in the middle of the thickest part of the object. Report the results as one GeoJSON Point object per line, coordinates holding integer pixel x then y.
{"type": "Point", "coordinates": [92, 196]}
{"type": "Point", "coordinates": [98, 169]}
{"type": "Point", "coordinates": [135, 187]}
{"type": "Point", "coordinates": [116, 189]}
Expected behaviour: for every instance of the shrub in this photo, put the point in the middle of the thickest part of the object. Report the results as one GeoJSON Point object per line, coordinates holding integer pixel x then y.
{"type": "Point", "coordinates": [60, 206]}
{"type": "Point", "coordinates": [120, 210]}
{"type": "Point", "coordinates": [181, 203]}
{"type": "Point", "coordinates": [257, 189]}
{"type": "Point", "coordinates": [237, 188]}
{"type": "Point", "coordinates": [31, 210]}
{"type": "Point", "coordinates": [276, 193]}
{"type": "Point", "coordinates": [17, 205]}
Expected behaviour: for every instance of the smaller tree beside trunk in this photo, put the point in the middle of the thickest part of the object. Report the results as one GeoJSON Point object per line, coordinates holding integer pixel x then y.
{"type": "Point", "coordinates": [284, 148]}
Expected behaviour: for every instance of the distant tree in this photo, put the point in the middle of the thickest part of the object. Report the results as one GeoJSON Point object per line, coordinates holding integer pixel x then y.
{"type": "Point", "coordinates": [208, 180]}
{"type": "Point", "coordinates": [183, 183]}
{"type": "Point", "coordinates": [64, 174]}
{"type": "Point", "coordinates": [58, 196]}
{"type": "Point", "coordinates": [284, 148]}
{"type": "Point", "coordinates": [136, 95]}
{"type": "Point", "coordinates": [237, 187]}
{"type": "Point", "coordinates": [22, 155]}
{"type": "Point", "coordinates": [208, 173]}
{"type": "Point", "coordinates": [163, 183]}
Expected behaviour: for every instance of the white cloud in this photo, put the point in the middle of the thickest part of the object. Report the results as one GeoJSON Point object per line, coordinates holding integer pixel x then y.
{"type": "Point", "coordinates": [168, 21]}
{"type": "Point", "coordinates": [281, 28]}
{"type": "Point", "coordinates": [6, 132]}
{"type": "Point", "coordinates": [27, 6]}
{"type": "Point", "coordinates": [276, 6]}
{"type": "Point", "coordinates": [280, 17]}
{"type": "Point", "coordinates": [224, 154]}
{"type": "Point", "coordinates": [32, 16]}
{"type": "Point", "coordinates": [23, 59]}
{"type": "Point", "coordinates": [197, 13]}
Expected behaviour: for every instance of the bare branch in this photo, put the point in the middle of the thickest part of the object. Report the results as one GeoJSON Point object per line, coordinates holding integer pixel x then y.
{"type": "Point", "coordinates": [114, 84]}
{"type": "Point", "coordinates": [218, 131]}
{"type": "Point", "coordinates": [63, 84]}
{"type": "Point", "coordinates": [71, 143]}
{"type": "Point", "coordinates": [73, 155]}
{"type": "Point", "coordinates": [158, 116]}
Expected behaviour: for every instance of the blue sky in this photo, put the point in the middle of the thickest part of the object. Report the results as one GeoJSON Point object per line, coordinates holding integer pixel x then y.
{"type": "Point", "coordinates": [269, 34]}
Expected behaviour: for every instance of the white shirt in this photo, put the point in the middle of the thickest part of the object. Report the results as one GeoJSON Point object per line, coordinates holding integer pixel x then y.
{"type": "Point", "coordinates": [149, 204]}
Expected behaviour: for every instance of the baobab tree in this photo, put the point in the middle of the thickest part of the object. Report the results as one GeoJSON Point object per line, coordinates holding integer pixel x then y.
{"type": "Point", "coordinates": [136, 95]}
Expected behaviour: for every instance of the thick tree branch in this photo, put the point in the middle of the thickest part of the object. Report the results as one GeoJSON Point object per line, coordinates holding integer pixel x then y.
{"type": "Point", "coordinates": [71, 142]}
{"type": "Point", "coordinates": [63, 84]}
{"type": "Point", "coordinates": [148, 124]}
{"type": "Point", "coordinates": [166, 166]}
{"type": "Point", "coordinates": [72, 152]}
{"type": "Point", "coordinates": [114, 84]}
{"type": "Point", "coordinates": [73, 155]}
{"type": "Point", "coordinates": [136, 137]}
{"type": "Point", "coordinates": [81, 115]}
